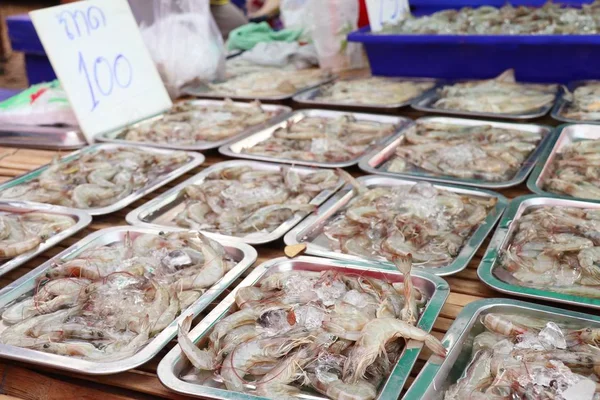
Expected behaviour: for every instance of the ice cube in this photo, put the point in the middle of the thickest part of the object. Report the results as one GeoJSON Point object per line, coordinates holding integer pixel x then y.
{"type": "Point", "coordinates": [551, 337]}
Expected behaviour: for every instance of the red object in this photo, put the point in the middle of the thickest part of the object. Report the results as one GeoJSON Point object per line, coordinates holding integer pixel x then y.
{"type": "Point", "coordinates": [37, 94]}
{"type": "Point", "coordinates": [363, 17]}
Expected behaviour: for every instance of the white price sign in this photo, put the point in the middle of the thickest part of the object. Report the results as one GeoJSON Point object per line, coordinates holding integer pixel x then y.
{"type": "Point", "coordinates": [99, 56]}
{"type": "Point", "coordinates": [386, 11]}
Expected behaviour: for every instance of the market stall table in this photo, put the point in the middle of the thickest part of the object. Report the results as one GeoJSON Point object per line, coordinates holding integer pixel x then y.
{"type": "Point", "coordinates": [24, 380]}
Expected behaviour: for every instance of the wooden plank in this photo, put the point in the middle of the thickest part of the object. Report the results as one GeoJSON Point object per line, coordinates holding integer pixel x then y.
{"type": "Point", "coordinates": [25, 384]}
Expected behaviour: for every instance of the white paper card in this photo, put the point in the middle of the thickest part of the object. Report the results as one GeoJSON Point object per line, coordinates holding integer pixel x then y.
{"type": "Point", "coordinates": [386, 11]}
{"type": "Point", "coordinates": [99, 56]}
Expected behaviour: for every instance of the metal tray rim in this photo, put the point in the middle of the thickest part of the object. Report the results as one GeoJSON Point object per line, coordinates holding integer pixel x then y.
{"type": "Point", "coordinates": [133, 217]}
{"type": "Point", "coordinates": [106, 137]}
{"type": "Point", "coordinates": [561, 103]}
{"type": "Point", "coordinates": [196, 159]}
{"type": "Point", "coordinates": [462, 325]}
{"type": "Point", "coordinates": [485, 270]}
{"type": "Point", "coordinates": [226, 150]}
{"type": "Point", "coordinates": [83, 220]}
{"type": "Point", "coordinates": [460, 262]}
{"type": "Point", "coordinates": [408, 357]}
{"type": "Point", "coordinates": [151, 349]}
{"type": "Point", "coordinates": [520, 176]}
{"type": "Point", "coordinates": [539, 167]}
{"type": "Point", "coordinates": [424, 104]}
{"type": "Point", "coordinates": [35, 129]}
{"type": "Point", "coordinates": [303, 97]}
{"type": "Point", "coordinates": [191, 92]}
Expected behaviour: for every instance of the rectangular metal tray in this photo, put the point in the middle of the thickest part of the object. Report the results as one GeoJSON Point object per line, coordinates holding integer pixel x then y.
{"type": "Point", "coordinates": [195, 159]}
{"type": "Point", "coordinates": [562, 103]}
{"type": "Point", "coordinates": [160, 211]}
{"type": "Point", "coordinates": [564, 136]}
{"type": "Point", "coordinates": [173, 364]}
{"type": "Point", "coordinates": [202, 90]}
{"type": "Point", "coordinates": [489, 270]}
{"type": "Point", "coordinates": [373, 161]}
{"type": "Point", "coordinates": [426, 104]}
{"type": "Point", "coordinates": [308, 97]}
{"type": "Point", "coordinates": [234, 149]}
{"type": "Point", "coordinates": [312, 226]}
{"type": "Point", "coordinates": [242, 253]}
{"type": "Point", "coordinates": [112, 136]}
{"type": "Point", "coordinates": [42, 137]}
{"type": "Point", "coordinates": [82, 219]}
{"type": "Point", "coordinates": [439, 373]}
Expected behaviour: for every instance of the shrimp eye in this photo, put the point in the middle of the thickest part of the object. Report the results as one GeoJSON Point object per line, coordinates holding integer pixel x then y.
{"type": "Point", "coordinates": [46, 346]}
{"type": "Point", "coordinates": [100, 334]}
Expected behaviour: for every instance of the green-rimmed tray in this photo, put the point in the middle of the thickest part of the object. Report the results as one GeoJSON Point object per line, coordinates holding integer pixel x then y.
{"type": "Point", "coordinates": [174, 364]}
{"type": "Point", "coordinates": [493, 275]}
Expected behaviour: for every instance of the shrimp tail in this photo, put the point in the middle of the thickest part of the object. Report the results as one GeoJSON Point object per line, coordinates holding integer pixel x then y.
{"type": "Point", "coordinates": [435, 345]}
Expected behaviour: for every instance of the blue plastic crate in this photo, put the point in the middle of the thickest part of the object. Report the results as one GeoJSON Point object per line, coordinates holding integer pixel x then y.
{"type": "Point", "coordinates": [24, 38]}
{"type": "Point", "coordinates": [426, 7]}
{"type": "Point", "coordinates": [535, 58]}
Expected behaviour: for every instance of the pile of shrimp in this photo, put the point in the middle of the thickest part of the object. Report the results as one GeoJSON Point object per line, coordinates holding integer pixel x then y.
{"type": "Point", "coordinates": [575, 171]}
{"type": "Point", "coordinates": [523, 357]}
{"type": "Point", "coordinates": [268, 83]}
{"type": "Point", "coordinates": [478, 152]}
{"type": "Point", "coordinates": [429, 223]}
{"type": "Point", "coordinates": [241, 201]}
{"type": "Point", "coordinates": [502, 95]}
{"type": "Point", "coordinates": [372, 91]}
{"type": "Point", "coordinates": [322, 139]}
{"type": "Point", "coordinates": [333, 332]}
{"type": "Point", "coordinates": [107, 302]}
{"type": "Point", "coordinates": [189, 123]}
{"type": "Point", "coordinates": [96, 179]}
{"type": "Point", "coordinates": [22, 232]}
{"type": "Point", "coordinates": [584, 103]}
{"type": "Point", "coordinates": [556, 249]}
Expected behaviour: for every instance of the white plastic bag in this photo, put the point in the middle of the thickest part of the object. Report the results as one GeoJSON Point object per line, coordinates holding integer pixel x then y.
{"type": "Point", "coordinates": [295, 15]}
{"type": "Point", "coordinates": [183, 39]}
{"type": "Point", "coordinates": [41, 104]}
{"type": "Point", "coordinates": [331, 22]}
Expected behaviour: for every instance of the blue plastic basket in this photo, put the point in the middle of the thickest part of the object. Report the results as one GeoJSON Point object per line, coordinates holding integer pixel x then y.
{"type": "Point", "coordinates": [23, 37]}
{"type": "Point", "coordinates": [535, 58]}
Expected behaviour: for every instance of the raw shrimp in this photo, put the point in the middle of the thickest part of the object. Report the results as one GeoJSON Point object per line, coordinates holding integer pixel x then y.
{"type": "Point", "coordinates": [375, 335]}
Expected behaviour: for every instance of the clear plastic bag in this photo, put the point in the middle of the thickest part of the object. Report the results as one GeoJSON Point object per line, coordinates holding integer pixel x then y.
{"type": "Point", "coordinates": [332, 21]}
{"type": "Point", "coordinates": [183, 39]}
{"type": "Point", "coordinates": [294, 15]}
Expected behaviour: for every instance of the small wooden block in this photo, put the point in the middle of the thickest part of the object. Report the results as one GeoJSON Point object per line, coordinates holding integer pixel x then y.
{"type": "Point", "coordinates": [294, 250]}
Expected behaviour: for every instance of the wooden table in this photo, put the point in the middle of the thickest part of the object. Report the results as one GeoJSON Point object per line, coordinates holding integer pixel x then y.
{"type": "Point", "coordinates": [32, 382]}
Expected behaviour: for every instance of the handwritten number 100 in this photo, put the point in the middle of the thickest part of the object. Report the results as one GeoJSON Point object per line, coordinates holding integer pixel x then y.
{"type": "Point", "coordinates": [102, 76]}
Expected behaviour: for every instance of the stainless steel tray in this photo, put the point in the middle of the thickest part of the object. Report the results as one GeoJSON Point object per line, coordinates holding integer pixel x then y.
{"type": "Point", "coordinates": [113, 137]}
{"type": "Point", "coordinates": [311, 228]}
{"type": "Point", "coordinates": [565, 135]}
{"type": "Point", "coordinates": [561, 105]}
{"type": "Point", "coordinates": [242, 253]}
{"type": "Point", "coordinates": [438, 373]}
{"type": "Point", "coordinates": [170, 368]}
{"type": "Point", "coordinates": [161, 211]}
{"type": "Point", "coordinates": [195, 159]}
{"type": "Point", "coordinates": [493, 275]}
{"type": "Point", "coordinates": [374, 160]}
{"type": "Point", "coordinates": [42, 137]}
{"type": "Point", "coordinates": [234, 149]}
{"type": "Point", "coordinates": [82, 219]}
{"type": "Point", "coordinates": [202, 90]}
{"type": "Point", "coordinates": [309, 97]}
{"type": "Point", "coordinates": [426, 104]}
